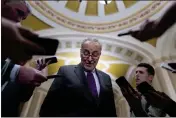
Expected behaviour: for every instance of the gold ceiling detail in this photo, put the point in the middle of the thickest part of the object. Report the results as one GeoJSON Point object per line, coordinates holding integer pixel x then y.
{"type": "Point", "coordinates": [129, 3]}
{"type": "Point", "coordinates": [92, 6]}
{"type": "Point", "coordinates": [110, 8]}
{"type": "Point", "coordinates": [94, 27]}
{"type": "Point", "coordinates": [73, 5]}
{"type": "Point", "coordinates": [92, 9]}
{"type": "Point", "coordinates": [34, 23]}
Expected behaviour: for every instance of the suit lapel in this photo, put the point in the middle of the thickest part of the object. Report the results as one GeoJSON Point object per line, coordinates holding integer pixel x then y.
{"type": "Point", "coordinates": [101, 81]}
{"type": "Point", "coordinates": [103, 85]}
{"type": "Point", "coordinates": [80, 73]}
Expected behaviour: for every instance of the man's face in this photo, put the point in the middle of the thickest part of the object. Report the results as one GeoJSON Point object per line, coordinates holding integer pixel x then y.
{"type": "Point", "coordinates": [90, 54]}
{"type": "Point", "coordinates": [142, 75]}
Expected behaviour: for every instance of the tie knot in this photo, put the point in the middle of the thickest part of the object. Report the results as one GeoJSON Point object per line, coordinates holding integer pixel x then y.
{"type": "Point", "coordinates": [89, 73]}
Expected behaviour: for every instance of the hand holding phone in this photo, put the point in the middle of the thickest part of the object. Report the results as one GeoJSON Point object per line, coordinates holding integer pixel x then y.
{"type": "Point", "coordinates": [42, 63]}
{"type": "Point", "coordinates": [51, 60]}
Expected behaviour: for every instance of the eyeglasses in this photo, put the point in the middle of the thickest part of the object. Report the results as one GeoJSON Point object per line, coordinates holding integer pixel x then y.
{"type": "Point", "coordinates": [86, 53]}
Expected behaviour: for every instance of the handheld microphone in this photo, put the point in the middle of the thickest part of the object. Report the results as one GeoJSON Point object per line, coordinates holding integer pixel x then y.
{"type": "Point", "coordinates": [129, 33]}
{"type": "Point", "coordinates": [122, 34]}
{"type": "Point", "coordinates": [54, 76]}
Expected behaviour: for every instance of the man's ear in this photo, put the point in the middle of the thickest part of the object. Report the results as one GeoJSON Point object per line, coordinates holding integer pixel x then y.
{"type": "Point", "coordinates": [150, 77]}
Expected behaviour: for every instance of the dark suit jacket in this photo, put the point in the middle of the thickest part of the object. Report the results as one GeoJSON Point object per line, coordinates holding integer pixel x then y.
{"type": "Point", "coordinates": [13, 94]}
{"type": "Point", "coordinates": [69, 95]}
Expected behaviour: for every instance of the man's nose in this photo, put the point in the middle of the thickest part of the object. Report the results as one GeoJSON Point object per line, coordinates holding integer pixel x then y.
{"type": "Point", "coordinates": [137, 73]}
{"type": "Point", "coordinates": [90, 58]}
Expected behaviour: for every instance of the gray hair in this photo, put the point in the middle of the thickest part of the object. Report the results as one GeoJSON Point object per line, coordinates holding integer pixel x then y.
{"type": "Point", "coordinates": [91, 40]}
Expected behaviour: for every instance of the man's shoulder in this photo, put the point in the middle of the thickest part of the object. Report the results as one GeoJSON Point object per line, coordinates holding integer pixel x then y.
{"type": "Point", "coordinates": [65, 67]}
{"type": "Point", "coordinates": [103, 73]}
{"type": "Point", "coordinates": [68, 66]}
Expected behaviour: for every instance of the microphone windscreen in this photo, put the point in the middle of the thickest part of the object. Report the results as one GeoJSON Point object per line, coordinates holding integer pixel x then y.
{"type": "Point", "coordinates": [122, 34]}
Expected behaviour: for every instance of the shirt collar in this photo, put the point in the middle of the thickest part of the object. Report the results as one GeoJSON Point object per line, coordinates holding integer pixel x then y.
{"type": "Point", "coordinates": [93, 71]}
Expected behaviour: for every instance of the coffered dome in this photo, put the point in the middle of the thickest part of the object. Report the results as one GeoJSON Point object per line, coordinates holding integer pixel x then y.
{"type": "Point", "coordinates": [93, 16]}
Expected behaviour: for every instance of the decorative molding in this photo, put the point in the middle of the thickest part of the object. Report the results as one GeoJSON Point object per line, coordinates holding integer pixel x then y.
{"type": "Point", "coordinates": [132, 20]}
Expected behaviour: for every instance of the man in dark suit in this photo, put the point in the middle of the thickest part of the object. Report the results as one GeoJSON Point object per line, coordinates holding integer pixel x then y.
{"type": "Point", "coordinates": [81, 90]}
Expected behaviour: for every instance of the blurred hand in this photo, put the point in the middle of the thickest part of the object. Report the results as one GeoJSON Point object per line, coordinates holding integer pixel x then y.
{"type": "Point", "coordinates": [146, 32]}
{"type": "Point", "coordinates": [15, 45]}
{"type": "Point", "coordinates": [30, 76]}
{"type": "Point", "coordinates": [41, 64]}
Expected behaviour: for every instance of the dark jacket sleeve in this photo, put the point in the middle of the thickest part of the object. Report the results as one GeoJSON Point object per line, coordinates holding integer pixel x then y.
{"type": "Point", "coordinates": [26, 92]}
{"type": "Point", "coordinates": [6, 68]}
{"type": "Point", "coordinates": [49, 107]}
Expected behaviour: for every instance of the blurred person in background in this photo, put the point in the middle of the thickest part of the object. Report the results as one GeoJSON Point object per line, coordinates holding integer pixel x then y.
{"type": "Point", "coordinates": [146, 101]}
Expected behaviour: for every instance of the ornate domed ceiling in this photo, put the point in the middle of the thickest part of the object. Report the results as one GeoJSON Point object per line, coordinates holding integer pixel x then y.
{"type": "Point", "coordinates": [93, 16]}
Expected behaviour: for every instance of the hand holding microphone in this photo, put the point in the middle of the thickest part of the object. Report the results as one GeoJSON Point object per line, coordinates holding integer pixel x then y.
{"type": "Point", "coordinates": [146, 32]}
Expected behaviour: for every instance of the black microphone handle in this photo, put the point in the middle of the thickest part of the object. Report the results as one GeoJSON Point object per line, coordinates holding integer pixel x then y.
{"type": "Point", "coordinates": [122, 34]}
{"type": "Point", "coordinates": [54, 76]}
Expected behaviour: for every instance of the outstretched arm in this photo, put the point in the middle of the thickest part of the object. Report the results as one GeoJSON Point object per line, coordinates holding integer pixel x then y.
{"type": "Point", "coordinates": [151, 29]}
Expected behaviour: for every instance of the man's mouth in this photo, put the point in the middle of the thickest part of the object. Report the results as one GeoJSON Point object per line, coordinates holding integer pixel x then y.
{"type": "Point", "coordinates": [137, 79]}
{"type": "Point", "coordinates": [89, 63]}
